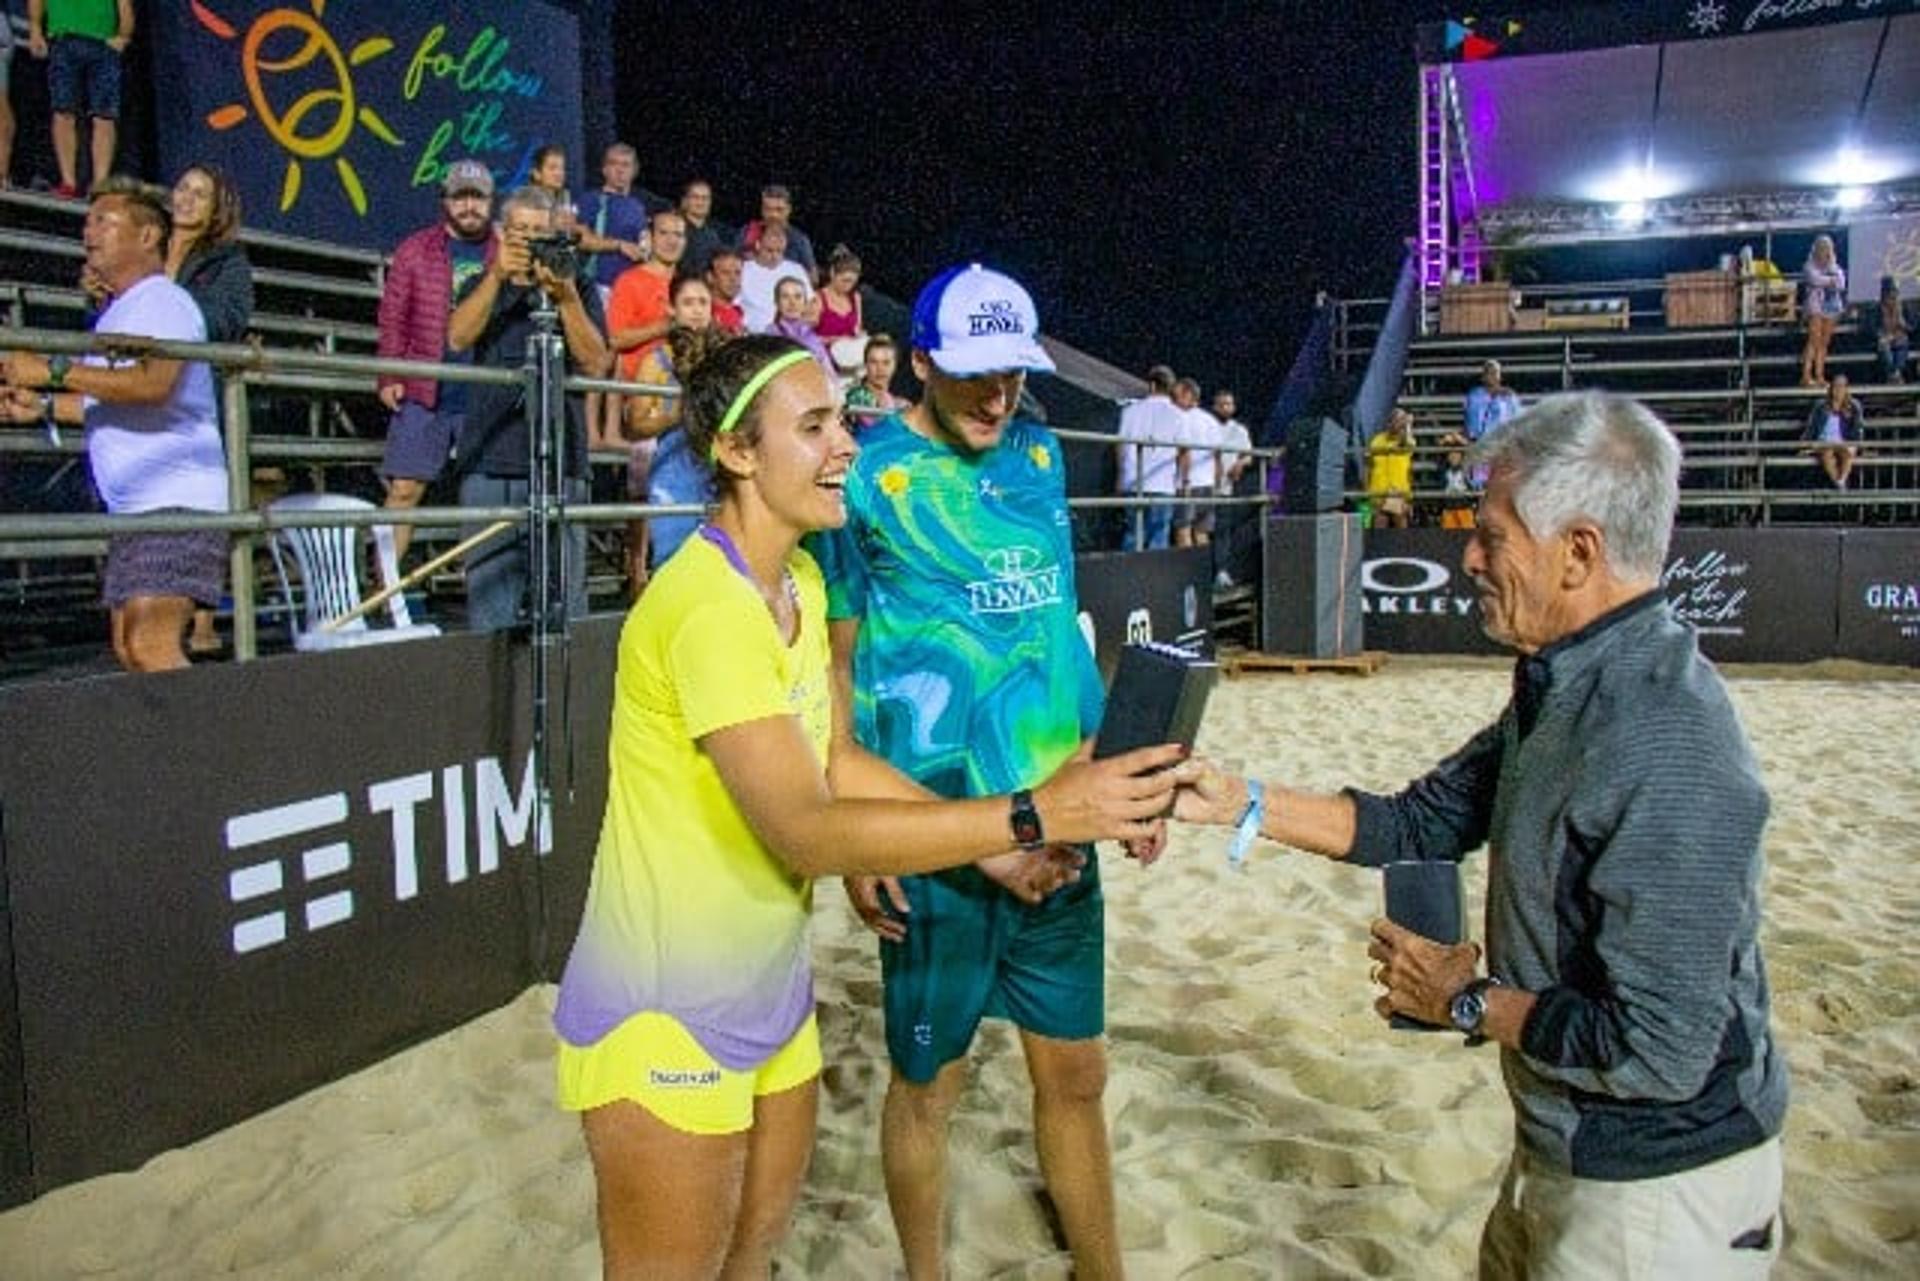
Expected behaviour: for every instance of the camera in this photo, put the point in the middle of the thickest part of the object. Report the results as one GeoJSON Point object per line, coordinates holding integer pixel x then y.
{"type": "Point", "coordinates": [557, 252]}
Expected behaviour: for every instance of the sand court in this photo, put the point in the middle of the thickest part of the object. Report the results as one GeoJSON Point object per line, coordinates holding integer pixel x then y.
{"type": "Point", "coordinates": [1265, 1123]}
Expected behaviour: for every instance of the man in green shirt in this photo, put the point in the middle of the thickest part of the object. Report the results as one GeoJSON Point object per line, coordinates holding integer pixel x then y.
{"type": "Point", "coordinates": [82, 41]}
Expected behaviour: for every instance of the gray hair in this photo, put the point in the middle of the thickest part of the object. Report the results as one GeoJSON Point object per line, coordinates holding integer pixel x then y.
{"type": "Point", "coordinates": [1588, 455]}
{"type": "Point", "coordinates": [538, 199]}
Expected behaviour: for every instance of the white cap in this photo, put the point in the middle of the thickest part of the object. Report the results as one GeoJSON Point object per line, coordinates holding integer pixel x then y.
{"type": "Point", "coordinates": [972, 320]}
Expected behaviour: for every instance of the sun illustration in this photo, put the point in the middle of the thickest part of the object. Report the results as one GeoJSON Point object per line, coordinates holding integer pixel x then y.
{"type": "Point", "coordinates": [285, 129]}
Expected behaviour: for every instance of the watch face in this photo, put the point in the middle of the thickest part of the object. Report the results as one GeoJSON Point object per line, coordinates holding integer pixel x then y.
{"type": "Point", "coordinates": [1469, 1007]}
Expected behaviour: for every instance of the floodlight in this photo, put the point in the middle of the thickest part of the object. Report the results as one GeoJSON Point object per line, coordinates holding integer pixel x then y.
{"type": "Point", "coordinates": [1851, 197]}
{"type": "Point", "coordinates": [1630, 212]}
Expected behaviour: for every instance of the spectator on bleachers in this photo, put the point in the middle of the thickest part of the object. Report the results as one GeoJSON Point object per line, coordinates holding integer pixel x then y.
{"type": "Point", "coordinates": [613, 232]}
{"type": "Point", "coordinates": [639, 314]}
{"type": "Point", "coordinates": [205, 258]}
{"type": "Point", "coordinates": [667, 473]}
{"type": "Point", "coordinates": [1833, 428]}
{"type": "Point", "coordinates": [1149, 469]}
{"type": "Point", "coordinates": [153, 437]}
{"type": "Point", "coordinates": [1196, 467]}
{"type": "Point", "coordinates": [1456, 509]}
{"type": "Point", "coordinates": [494, 319]}
{"type": "Point", "coordinates": [678, 475]}
{"type": "Point", "coordinates": [1390, 472]}
{"type": "Point", "coordinates": [776, 210]}
{"type": "Point", "coordinates": [790, 321]}
{"type": "Point", "coordinates": [1826, 290]}
{"type": "Point", "coordinates": [1489, 404]}
{"type": "Point", "coordinates": [766, 266]}
{"type": "Point", "coordinates": [723, 281]}
{"type": "Point", "coordinates": [82, 42]}
{"type": "Point", "coordinates": [705, 234]}
{"type": "Point", "coordinates": [548, 171]}
{"type": "Point", "coordinates": [6, 104]}
{"type": "Point", "coordinates": [878, 363]}
{"type": "Point", "coordinates": [613, 223]}
{"type": "Point", "coordinates": [638, 311]}
{"type": "Point", "coordinates": [1893, 325]}
{"type": "Point", "coordinates": [840, 314]}
{"type": "Point", "coordinates": [428, 271]}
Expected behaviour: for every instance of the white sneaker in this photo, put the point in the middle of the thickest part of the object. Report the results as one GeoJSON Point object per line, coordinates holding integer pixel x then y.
{"type": "Point", "coordinates": [1223, 579]}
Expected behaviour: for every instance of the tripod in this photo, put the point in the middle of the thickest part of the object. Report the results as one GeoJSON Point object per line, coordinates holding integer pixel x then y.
{"type": "Point", "coordinates": [544, 373]}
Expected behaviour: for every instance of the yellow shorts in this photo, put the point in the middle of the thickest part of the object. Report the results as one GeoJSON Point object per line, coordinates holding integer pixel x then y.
{"type": "Point", "coordinates": [654, 1061]}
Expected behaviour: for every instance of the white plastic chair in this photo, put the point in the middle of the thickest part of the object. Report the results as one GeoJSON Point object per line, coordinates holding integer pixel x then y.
{"type": "Point", "coordinates": [329, 561]}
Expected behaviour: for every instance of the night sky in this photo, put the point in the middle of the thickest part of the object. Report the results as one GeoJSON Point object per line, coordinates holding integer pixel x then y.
{"type": "Point", "coordinates": [1172, 181]}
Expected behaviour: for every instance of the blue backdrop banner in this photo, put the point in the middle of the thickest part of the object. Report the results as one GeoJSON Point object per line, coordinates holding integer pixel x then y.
{"type": "Point", "coordinates": [338, 120]}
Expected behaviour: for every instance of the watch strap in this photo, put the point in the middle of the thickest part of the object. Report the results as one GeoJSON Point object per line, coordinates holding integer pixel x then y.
{"type": "Point", "coordinates": [1024, 820]}
{"type": "Point", "coordinates": [1251, 819]}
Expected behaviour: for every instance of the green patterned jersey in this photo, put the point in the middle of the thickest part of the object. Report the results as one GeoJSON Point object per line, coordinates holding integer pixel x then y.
{"type": "Point", "coordinates": [971, 673]}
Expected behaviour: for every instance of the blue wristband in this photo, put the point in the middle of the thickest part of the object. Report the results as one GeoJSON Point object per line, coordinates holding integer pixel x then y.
{"type": "Point", "coordinates": [1249, 826]}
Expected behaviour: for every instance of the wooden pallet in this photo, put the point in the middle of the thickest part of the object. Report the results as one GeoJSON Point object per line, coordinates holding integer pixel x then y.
{"type": "Point", "coordinates": [1365, 663]}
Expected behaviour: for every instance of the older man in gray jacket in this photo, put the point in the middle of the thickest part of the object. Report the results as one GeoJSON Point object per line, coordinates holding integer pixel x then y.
{"type": "Point", "coordinates": [1622, 809]}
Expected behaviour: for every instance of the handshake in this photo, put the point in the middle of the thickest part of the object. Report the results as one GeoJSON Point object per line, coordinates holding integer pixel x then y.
{"type": "Point", "coordinates": [1128, 798]}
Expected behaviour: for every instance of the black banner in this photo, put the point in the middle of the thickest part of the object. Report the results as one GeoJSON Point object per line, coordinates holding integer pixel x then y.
{"type": "Point", "coordinates": [233, 884]}
{"type": "Point", "coordinates": [1880, 596]}
{"type": "Point", "coordinates": [1754, 595]}
{"type": "Point", "coordinates": [16, 1164]}
{"type": "Point", "coordinates": [1757, 595]}
{"type": "Point", "coordinates": [1485, 35]}
{"type": "Point", "coordinates": [1164, 596]}
{"type": "Point", "coordinates": [1415, 599]}
{"type": "Point", "coordinates": [339, 121]}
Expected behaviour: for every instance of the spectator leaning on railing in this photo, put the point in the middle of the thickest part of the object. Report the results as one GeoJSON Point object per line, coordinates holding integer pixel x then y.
{"type": "Point", "coordinates": [153, 440]}
{"type": "Point", "coordinates": [1196, 467]}
{"type": "Point", "coordinates": [427, 273]}
{"type": "Point", "coordinates": [1149, 468]}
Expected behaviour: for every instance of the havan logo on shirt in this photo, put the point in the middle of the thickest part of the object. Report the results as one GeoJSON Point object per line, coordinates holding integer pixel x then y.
{"type": "Point", "coordinates": [1022, 580]}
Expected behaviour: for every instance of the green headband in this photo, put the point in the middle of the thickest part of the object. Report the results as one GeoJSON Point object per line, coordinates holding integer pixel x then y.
{"type": "Point", "coordinates": [738, 408]}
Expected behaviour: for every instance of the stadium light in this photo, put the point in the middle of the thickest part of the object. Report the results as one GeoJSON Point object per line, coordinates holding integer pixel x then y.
{"type": "Point", "coordinates": [1630, 213]}
{"type": "Point", "coordinates": [1851, 197]}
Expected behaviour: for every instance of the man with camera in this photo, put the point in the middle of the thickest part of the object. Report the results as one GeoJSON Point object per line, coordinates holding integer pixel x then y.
{"type": "Point", "coordinates": [495, 318]}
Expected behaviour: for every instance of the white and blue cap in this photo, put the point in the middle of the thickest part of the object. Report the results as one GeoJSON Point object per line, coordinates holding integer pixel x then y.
{"type": "Point", "coordinates": [973, 320]}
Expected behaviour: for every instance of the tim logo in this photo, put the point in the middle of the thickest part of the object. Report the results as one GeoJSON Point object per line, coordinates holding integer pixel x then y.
{"type": "Point", "coordinates": [996, 316]}
{"type": "Point", "coordinates": [308, 837]}
{"type": "Point", "coordinates": [1022, 580]}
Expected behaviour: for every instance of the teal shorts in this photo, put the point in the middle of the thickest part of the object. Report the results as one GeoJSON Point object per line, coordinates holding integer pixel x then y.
{"type": "Point", "coordinates": [973, 951]}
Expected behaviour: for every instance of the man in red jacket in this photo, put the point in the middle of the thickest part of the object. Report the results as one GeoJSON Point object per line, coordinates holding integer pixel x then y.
{"type": "Point", "coordinates": [422, 281]}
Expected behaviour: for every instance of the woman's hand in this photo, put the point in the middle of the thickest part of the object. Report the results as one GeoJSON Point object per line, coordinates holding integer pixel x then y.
{"type": "Point", "coordinates": [1117, 798]}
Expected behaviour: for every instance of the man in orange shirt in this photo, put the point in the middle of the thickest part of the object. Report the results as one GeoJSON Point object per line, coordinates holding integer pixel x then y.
{"type": "Point", "coordinates": [637, 310]}
{"type": "Point", "coordinates": [638, 315]}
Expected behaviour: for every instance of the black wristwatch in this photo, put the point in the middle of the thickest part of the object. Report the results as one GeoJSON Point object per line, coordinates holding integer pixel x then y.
{"type": "Point", "coordinates": [1468, 1009]}
{"type": "Point", "coordinates": [1025, 821]}
{"type": "Point", "coordinates": [57, 367]}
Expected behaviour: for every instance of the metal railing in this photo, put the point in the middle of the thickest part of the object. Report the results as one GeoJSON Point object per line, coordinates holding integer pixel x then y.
{"type": "Point", "coordinates": [246, 366]}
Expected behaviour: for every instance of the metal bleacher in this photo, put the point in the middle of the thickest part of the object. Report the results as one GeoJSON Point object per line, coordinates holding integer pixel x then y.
{"type": "Point", "coordinates": [1730, 393]}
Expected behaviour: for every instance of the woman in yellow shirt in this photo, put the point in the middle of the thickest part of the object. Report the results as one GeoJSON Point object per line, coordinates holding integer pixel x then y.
{"type": "Point", "coordinates": [685, 1015]}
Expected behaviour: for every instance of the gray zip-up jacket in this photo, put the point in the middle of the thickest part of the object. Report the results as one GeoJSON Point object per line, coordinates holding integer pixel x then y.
{"type": "Point", "coordinates": [1622, 810]}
